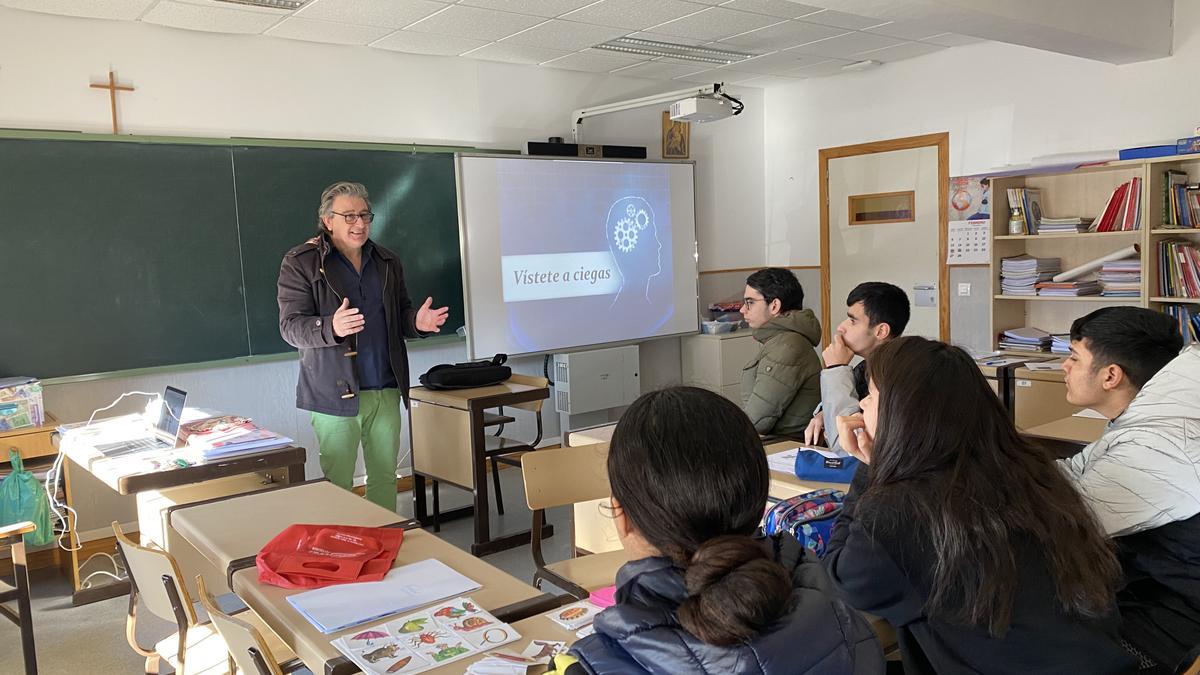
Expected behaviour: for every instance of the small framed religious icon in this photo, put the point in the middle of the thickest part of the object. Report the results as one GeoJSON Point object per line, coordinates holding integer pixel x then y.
{"type": "Point", "coordinates": [676, 138]}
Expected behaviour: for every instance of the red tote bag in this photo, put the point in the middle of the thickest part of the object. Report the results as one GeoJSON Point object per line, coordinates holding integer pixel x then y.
{"type": "Point", "coordinates": [312, 556]}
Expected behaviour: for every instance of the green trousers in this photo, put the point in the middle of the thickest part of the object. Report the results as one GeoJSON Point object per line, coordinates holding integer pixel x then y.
{"type": "Point", "coordinates": [377, 427]}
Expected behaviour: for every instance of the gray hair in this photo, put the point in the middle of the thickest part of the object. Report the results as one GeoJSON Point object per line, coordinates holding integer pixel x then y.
{"type": "Point", "coordinates": [339, 189]}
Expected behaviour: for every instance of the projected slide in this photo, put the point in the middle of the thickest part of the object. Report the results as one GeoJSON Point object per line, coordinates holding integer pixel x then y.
{"type": "Point", "coordinates": [563, 254]}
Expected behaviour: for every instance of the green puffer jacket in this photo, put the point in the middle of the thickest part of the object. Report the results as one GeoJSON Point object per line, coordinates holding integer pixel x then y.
{"type": "Point", "coordinates": [781, 386]}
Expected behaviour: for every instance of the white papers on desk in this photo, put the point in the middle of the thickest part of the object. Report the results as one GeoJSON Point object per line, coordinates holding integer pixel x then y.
{"type": "Point", "coordinates": [1090, 414]}
{"type": "Point", "coordinates": [334, 608]}
{"type": "Point", "coordinates": [785, 461]}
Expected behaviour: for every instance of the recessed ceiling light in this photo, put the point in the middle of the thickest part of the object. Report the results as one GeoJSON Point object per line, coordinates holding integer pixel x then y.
{"type": "Point", "coordinates": [271, 4]}
{"type": "Point", "coordinates": [858, 66]}
{"type": "Point", "coordinates": [631, 45]}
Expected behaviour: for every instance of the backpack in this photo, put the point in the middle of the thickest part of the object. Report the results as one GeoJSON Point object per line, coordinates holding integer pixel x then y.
{"type": "Point", "coordinates": [808, 517]}
{"type": "Point", "coordinates": [467, 375]}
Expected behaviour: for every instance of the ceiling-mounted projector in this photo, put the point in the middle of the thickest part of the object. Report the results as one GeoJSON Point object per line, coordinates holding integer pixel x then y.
{"type": "Point", "coordinates": [702, 109]}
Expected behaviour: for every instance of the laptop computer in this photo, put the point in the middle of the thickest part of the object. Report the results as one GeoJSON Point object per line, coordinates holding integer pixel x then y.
{"type": "Point", "coordinates": [161, 436]}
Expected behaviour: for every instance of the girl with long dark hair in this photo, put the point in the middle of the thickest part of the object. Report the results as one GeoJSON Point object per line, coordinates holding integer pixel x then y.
{"type": "Point", "coordinates": [964, 535]}
{"type": "Point", "coordinates": [689, 483]}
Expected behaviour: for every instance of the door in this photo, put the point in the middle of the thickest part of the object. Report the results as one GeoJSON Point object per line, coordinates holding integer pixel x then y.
{"type": "Point", "coordinates": [885, 214]}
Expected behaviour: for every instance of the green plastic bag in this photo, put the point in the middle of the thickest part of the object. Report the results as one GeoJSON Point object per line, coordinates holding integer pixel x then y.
{"type": "Point", "coordinates": [22, 498]}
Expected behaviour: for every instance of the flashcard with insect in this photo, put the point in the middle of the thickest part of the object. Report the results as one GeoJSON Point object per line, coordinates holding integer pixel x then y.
{"type": "Point", "coordinates": [575, 615]}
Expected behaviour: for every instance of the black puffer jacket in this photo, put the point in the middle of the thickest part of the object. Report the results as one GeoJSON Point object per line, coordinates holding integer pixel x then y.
{"type": "Point", "coordinates": [641, 633]}
{"type": "Point", "coordinates": [307, 302]}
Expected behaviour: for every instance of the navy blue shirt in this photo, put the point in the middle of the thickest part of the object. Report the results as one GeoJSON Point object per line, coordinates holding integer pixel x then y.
{"type": "Point", "coordinates": [365, 291]}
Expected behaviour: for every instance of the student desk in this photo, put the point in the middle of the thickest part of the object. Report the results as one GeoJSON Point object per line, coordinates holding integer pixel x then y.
{"type": "Point", "coordinates": [1069, 435]}
{"type": "Point", "coordinates": [158, 484]}
{"type": "Point", "coordinates": [447, 433]}
{"type": "Point", "coordinates": [230, 531]}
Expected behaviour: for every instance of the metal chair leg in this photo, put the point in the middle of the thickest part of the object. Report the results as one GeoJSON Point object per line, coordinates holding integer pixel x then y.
{"type": "Point", "coordinates": [437, 508]}
{"type": "Point", "coordinates": [496, 483]}
{"type": "Point", "coordinates": [21, 572]}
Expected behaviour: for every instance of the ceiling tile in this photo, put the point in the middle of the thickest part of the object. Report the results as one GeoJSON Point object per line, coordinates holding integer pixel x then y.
{"type": "Point", "coordinates": [778, 8]}
{"type": "Point", "coordinates": [907, 50]}
{"type": "Point", "coordinates": [710, 76]}
{"type": "Point", "coordinates": [828, 67]}
{"type": "Point", "coordinates": [714, 24]}
{"type": "Point", "coordinates": [566, 35]}
{"type": "Point", "coordinates": [779, 62]}
{"type": "Point", "coordinates": [476, 23]}
{"type": "Point", "coordinates": [662, 37]}
{"type": "Point", "coordinates": [846, 46]}
{"type": "Point", "coordinates": [427, 43]}
{"type": "Point", "coordinates": [907, 30]}
{"type": "Point", "coordinates": [829, 17]}
{"type": "Point", "coordinates": [314, 30]}
{"type": "Point", "coordinates": [543, 8]}
{"type": "Point", "coordinates": [658, 70]}
{"type": "Point", "coordinates": [511, 53]}
{"type": "Point", "coordinates": [595, 61]}
{"type": "Point", "coordinates": [726, 75]}
{"type": "Point", "coordinates": [207, 18]}
{"type": "Point", "coordinates": [127, 10]}
{"type": "Point", "coordinates": [387, 13]}
{"type": "Point", "coordinates": [782, 36]}
{"type": "Point", "coordinates": [633, 14]}
{"type": "Point", "coordinates": [765, 81]}
{"type": "Point", "coordinates": [952, 40]}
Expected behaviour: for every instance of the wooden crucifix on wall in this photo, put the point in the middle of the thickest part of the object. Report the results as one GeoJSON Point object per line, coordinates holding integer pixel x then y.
{"type": "Point", "coordinates": [112, 88]}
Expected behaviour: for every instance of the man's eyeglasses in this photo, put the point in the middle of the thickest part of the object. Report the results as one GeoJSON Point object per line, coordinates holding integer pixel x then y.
{"type": "Point", "coordinates": [352, 218]}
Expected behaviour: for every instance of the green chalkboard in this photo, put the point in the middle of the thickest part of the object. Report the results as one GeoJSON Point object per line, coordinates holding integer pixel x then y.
{"type": "Point", "coordinates": [124, 253]}
{"type": "Point", "coordinates": [416, 216]}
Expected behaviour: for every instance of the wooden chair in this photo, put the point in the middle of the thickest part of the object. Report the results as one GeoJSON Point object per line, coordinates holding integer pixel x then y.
{"type": "Point", "coordinates": [497, 446]}
{"type": "Point", "coordinates": [1191, 663]}
{"type": "Point", "coordinates": [23, 616]}
{"type": "Point", "coordinates": [559, 477]}
{"type": "Point", "coordinates": [196, 648]}
{"type": "Point", "coordinates": [248, 648]}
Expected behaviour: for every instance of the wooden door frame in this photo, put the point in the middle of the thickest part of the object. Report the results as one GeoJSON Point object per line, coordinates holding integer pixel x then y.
{"type": "Point", "coordinates": [939, 140]}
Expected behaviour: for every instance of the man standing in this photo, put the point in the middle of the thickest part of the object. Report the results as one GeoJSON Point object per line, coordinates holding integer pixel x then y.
{"type": "Point", "coordinates": [1142, 478]}
{"type": "Point", "coordinates": [780, 385]}
{"type": "Point", "coordinates": [875, 312]}
{"type": "Point", "coordinates": [343, 304]}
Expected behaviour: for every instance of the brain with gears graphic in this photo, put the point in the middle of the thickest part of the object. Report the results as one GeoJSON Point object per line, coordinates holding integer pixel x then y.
{"type": "Point", "coordinates": [632, 220]}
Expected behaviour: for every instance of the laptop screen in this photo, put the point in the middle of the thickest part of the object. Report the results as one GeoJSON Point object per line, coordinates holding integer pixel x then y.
{"type": "Point", "coordinates": [172, 410]}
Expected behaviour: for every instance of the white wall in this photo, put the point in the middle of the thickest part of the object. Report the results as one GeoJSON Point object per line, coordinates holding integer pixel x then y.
{"type": "Point", "coordinates": [200, 84]}
{"type": "Point", "coordinates": [1002, 104]}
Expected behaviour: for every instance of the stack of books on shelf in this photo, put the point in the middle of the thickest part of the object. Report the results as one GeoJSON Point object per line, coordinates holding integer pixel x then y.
{"type": "Point", "coordinates": [227, 435]}
{"type": "Point", "coordinates": [1178, 269]}
{"type": "Point", "coordinates": [1027, 339]}
{"type": "Point", "coordinates": [1181, 200]}
{"type": "Point", "coordinates": [1188, 318]}
{"type": "Point", "coordinates": [1121, 278]}
{"type": "Point", "coordinates": [1051, 225]}
{"type": "Point", "coordinates": [1051, 289]}
{"type": "Point", "coordinates": [1019, 274]}
{"type": "Point", "coordinates": [1060, 343]}
{"type": "Point", "coordinates": [1027, 202]}
{"type": "Point", "coordinates": [1122, 212]}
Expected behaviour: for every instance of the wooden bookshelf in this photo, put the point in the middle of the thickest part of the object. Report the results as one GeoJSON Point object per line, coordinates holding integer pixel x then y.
{"type": "Point", "coordinates": [1084, 192]}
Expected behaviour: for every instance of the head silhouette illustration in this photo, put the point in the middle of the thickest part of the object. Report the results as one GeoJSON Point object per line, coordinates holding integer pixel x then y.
{"type": "Point", "coordinates": [633, 241]}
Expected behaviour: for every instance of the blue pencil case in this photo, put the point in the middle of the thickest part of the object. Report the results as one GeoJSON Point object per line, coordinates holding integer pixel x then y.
{"type": "Point", "coordinates": [812, 465]}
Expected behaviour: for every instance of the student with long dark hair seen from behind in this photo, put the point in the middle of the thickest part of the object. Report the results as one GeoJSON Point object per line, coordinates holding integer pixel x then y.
{"type": "Point", "coordinates": [967, 538]}
{"type": "Point", "coordinates": [700, 595]}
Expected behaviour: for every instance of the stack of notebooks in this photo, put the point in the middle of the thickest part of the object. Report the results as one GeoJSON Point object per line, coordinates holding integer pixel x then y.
{"type": "Point", "coordinates": [1122, 212]}
{"type": "Point", "coordinates": [1121, 278]}
{"type": "Point", "coordinates": [227, 435]}
{"type": "Point", "coordinates": [1020, 274]}
{"type": "Point", "coordinates": [1027, 339]}
{"type": "Point", "coordinates": [1049, 225]}
{"type": "Point", "coordinates": [1067, 289]}
{"type": "Point", "coordinates": [1060, 343]}
{"type": "Point", "coordinates": [1181, 200]}
{"type": "Point", "coordinates": [1179, 269]}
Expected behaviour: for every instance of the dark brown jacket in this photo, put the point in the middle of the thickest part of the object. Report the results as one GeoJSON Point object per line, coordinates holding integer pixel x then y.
{"type": "Point", "coordinates": [307, 301]}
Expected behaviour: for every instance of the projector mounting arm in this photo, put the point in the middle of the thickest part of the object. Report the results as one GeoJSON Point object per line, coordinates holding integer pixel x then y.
{"type": "Point", "coordinates": [577, 116]}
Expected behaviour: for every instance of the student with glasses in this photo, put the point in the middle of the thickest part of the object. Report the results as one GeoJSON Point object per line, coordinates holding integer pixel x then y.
{"type": "Point", "coordinates": [344, 305]}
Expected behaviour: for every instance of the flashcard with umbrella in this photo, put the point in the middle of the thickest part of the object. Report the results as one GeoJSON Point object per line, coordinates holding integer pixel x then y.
{"type": "Point", "coordinates": [370, 635]}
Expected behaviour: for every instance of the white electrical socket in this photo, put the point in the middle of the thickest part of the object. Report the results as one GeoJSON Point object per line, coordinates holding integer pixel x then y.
{"type": "Point", "coordinates": [964, 289]}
